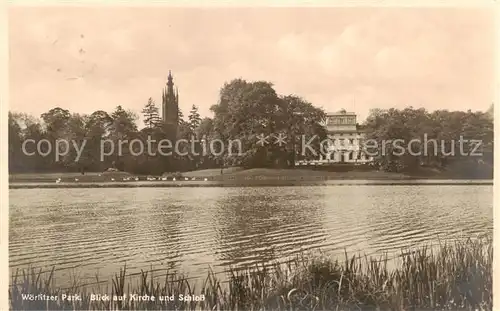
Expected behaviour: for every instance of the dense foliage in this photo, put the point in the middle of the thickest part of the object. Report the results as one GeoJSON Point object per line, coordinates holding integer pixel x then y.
{"type": "Point", "coordinates": [246, 112]}
{"type": "Point", "coordinates": [438, 139]}
{"type": "Point", "coordinates": [455, 276]}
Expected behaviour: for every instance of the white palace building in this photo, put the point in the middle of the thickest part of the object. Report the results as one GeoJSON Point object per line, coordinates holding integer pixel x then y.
{"type": "Point", "coordinates": [345, 139]}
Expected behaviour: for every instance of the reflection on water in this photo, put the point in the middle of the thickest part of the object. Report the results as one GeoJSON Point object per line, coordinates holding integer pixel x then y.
{"type": "Point", "coordinates": [265, 224]}
{"type": "Point", "coordinates": [187, 229]}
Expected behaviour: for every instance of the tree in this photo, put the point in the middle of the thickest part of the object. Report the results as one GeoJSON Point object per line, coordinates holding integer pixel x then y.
{"type": "Point", "coordinates": [56, 120]}
{"type": "Point", "coordinates": [300, 120]}
{"type": "Point", "coordinates": [15, 144]}
{"type": "Point", "coordinates": [123, 128]}
{"type": "Point", "coordinates": [99, 124]}
{"type": "Point", "coordinates": [206, 128]}
{"type": "Point", "coordinates": [244, 112]}
{"type": "Point", "coordinates": [123, 124]}
{"type": "Point", "coordinates": [76, 132]}
{"type": "Point", "coordinates": [386, 126]}
{"type": "Point", "coordinates": [205, 133]}
{"type": "Point", "coordinates": [249, 110]}
{"type": "Point", "coordinates": [97, 128]}
{"type": "Point", "coordinates": [194, 118]}
{"type": "Point", "coordinates": [491, 111]}
{"type": "Point", "coordinates": [151, 114]}
{"type": "Point", "coordinates": [435, 138]}
{"type": "Point", "coordinates": [31, 128]}
{"type": "Point", "coordinates": [56, 124]}
{"type": "Point", "coordinates": [180, 116]}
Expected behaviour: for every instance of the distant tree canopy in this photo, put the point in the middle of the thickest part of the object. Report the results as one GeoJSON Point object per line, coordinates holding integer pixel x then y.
{"type": "Point", "coordinates": [436, 138]}
{"type": "Point", "coordinates": [249, 110]}
{"type": "Point", "coordinates": [245, 113]}
{"type": "Point", "coordinates": [491, 111]}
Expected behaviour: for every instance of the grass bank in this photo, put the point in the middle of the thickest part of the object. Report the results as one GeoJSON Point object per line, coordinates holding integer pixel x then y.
{"type": "Point", "coordinates": [238, 174]}
{"type": "Point", "coordinates": [229, 174]}
{"type": "Point", "coordinates": [455, 277]}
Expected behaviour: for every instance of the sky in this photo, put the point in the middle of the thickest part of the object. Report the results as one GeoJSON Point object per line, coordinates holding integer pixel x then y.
{"type": "Point", "coordinates": [95, 58]}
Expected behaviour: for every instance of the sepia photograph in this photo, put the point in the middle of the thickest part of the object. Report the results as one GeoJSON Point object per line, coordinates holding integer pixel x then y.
{"type": "Point", "coordinates": [175, 157]}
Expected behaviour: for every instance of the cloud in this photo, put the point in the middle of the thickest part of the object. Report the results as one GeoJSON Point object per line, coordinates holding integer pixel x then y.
{"type": "Point", "coordinates": [335, 57]}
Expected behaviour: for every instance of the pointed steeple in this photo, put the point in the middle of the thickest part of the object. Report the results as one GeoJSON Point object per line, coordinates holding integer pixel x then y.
{"type": "Point", "coordinates": [171, 104]}
{"type": "Point", "coordinates": [170, 83]}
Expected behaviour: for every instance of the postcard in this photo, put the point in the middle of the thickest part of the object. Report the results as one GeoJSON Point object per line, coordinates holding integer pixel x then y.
{"type": "Point", "coordinates": [265, 157]}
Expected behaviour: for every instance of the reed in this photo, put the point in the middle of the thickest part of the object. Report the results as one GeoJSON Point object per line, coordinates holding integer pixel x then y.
{"type": "Point", "coordinates": [456, 276]}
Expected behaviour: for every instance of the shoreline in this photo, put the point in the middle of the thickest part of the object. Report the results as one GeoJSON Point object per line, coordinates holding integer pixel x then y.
{"type": "Point", "coordinates": [236, 177]}
{"type": "Point", "coordinates": [248, 183]}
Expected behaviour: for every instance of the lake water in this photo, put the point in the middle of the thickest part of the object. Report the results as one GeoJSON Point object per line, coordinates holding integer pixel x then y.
{"type": "Point", "coordinates": [84, 231]}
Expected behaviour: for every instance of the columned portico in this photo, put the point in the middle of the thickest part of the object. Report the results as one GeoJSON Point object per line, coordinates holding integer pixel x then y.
{"type": "Point", "coordinates": [344, 144]}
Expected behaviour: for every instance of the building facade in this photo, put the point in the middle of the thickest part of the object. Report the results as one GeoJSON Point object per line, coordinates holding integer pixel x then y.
{"type": "Point", "coordinates": [170, 105]}
{"type": "Point", "coordinates": [345, 139]}
{"type": "Point", "coordinates": [344, 143]}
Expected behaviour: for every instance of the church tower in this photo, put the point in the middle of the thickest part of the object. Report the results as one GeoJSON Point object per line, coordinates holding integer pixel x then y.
{"type": "Point", "coordinates": [170, 104]}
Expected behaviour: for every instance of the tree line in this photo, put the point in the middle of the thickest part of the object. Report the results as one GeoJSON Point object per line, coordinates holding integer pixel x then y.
{"type": "Point", "coordinates": [441, 138]}
{"type": "Point", "coordinates": [244, 111]}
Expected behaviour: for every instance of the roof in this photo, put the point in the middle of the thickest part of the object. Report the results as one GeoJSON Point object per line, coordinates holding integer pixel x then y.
{"type": "Point", "coordinates": [342, 112]}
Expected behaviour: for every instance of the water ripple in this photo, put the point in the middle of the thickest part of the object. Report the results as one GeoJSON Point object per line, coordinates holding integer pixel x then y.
{"type": "Point", "coordinates": [98, 230]}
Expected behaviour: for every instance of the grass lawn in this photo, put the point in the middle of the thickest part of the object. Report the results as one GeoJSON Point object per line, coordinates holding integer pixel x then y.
{"type": "Point", "coordinates": [236, 174]}
{"type": "Point", "coordinates": [68, 177]}
{"type": "Point", "coordinates": [304, 172]}
{"type": "Point", "coordinates": [233, 173]}
{"type": "Point", "coordinates": [212, 172]}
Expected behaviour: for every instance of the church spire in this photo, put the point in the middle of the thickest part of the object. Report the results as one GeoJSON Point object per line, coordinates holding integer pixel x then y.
{"type": "Point", "coordinates": [170, 102]}
{"type": "Point", "coordinates": [170, 83]}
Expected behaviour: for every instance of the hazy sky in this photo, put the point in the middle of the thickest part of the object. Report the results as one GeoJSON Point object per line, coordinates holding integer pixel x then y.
{"type": "Point", "coordinates": [84, 59]}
